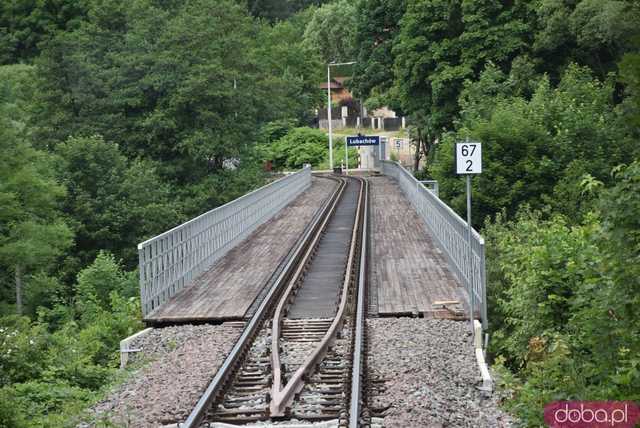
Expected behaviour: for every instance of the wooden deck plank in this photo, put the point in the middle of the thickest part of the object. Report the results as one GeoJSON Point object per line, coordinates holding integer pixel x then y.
{"type": "Point", "coordinates": [229, 287]}
{"type": "Point", "coordinates": [409, 271]}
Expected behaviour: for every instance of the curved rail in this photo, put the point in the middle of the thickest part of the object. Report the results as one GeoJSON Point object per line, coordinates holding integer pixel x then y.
{"type": "Point", "coordinates": [282, 396]}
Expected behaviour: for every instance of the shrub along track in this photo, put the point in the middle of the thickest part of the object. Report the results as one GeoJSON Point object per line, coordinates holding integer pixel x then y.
{"type": "Point", "coordinates": [300, 355]}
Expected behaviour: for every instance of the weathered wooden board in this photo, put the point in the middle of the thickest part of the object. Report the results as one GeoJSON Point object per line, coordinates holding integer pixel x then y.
{"type": "Point", "coordinates": [409, 271]}
{"type": "Point", "coordinates": [229, 287]}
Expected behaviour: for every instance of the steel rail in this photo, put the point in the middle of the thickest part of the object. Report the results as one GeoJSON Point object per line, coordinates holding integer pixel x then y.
{"type": "Point", "coordinates": [358, 351]}
{"type": "Point", "coordinates": [282, 397]}
{"type": "Point", "coordinates": [242, 344]}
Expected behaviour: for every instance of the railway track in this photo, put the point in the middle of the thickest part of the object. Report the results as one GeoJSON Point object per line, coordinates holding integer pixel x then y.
{"type": "Point", "coordinates": [301, 355]}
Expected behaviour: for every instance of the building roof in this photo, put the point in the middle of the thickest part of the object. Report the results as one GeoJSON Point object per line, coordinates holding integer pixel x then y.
{"type": "Point", "coordinates": [334, 85]}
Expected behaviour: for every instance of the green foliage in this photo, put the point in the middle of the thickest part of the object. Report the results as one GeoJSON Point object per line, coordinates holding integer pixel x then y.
{"type": "Point", "coordinates": [43, 291]}
{"type": "Point", "coordinates": [292, 70]}
{"type": "Point", "coordinates": [378, 24]}
{"type": "Point", "coordinates": [298, 147]}
{"type": "Point", "coordinates": [32, 233]}
{"type": "Point", "coordinates": [332, 31]}
{"type": "Point", "coordinates": [536, 268]}
{"type": "Point", "coordinates": [143, 75]}
{"type": "Point", "coordinates": [595, 33]}
{"type": "Point", "coordinates": [564, 301]}
{"type": "Point", "coordinates": [26, 23]}
{"type": "Point", "coordinates": [275, 10]}
{"type": "Point", "coordinates": [47, 404]}
{"type": "Point", "coordinates": [113, 203]}
{"type": "Point", "coordinates": [97, 281]}
{"type": "Point", "coordinates": [10, 415]}
{"type": "Point", "coordinates": [273, 131]}
{"type": "Point", "coordinates": [24, 348]}
{"type": "Point", "coordinates": [630, 75]}
{"type": "Point", "coordinates": [16, 89]}
{"type": "Point", "coordinates": [339, 155]}
{"type": "Point", "coordinates": [52, 375]}
{"type": "Point", "coordinates": [535, 151]}
{"type": "Point", "coordinates": [304, 145]}
{"type": "Point", "coordinates": [443, 43]}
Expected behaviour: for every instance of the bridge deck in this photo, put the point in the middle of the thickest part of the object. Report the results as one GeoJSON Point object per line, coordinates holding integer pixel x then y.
{"type": "Point", "coordinates": [227, 290]}
{"type": "Point", "coordinates": [408, 271]}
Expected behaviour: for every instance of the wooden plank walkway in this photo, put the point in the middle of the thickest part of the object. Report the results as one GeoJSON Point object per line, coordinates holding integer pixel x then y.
{"type": "Point", "coordinates": [229, 287]}
{"type": "Point", "coordinates": [408, 270]}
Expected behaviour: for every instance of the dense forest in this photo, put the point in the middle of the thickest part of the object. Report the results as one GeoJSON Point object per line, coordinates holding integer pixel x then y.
{"type": "Point", "coordinates": [120, 119]}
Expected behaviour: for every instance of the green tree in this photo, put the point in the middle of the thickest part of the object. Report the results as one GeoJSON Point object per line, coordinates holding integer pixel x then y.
{"type": "Point", "coordinates": [332, 31]}
{"type": "Point", "coordinates": [112, 203]}
{"type": "Point", "coordinates": [537, 151]}
{"type": "Point", "coordinates": [443, 43]}
{"type": "Point", "coordinates": [630, 76]}
{"type": "Point", "coordinates": [32, 233]}
{"type": "Point", "coordinates": [16, 93]}
{"type": "Point", "coordinates": [299, 146]}
{"type": "Point", "coordinates": [594, 33]}
{"type": "Point", "coordinates": [378, 25]}
{"type": "Point", "coordinates": [279, 10]}
{"type": "Point", "coordinates": [291, 71]}
{"type": "Point", "coordinates": [172, 82]}
{"type": "Point", "coordinates": [26, 23]}
{"type": "Point", "coordinates": [96, 282]}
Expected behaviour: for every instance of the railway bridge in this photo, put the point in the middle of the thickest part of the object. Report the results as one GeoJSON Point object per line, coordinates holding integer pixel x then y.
{"type": "Point", "coordinates": [302, 265]}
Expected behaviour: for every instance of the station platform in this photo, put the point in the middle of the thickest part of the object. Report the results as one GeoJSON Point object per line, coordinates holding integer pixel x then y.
{"type": "Point", "coordinates": [408, 273]}
{"type": "Point", "coordinates": [227, 290]}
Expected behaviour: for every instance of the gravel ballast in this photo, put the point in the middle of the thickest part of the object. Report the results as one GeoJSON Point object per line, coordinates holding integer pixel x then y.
{"type": "Point", "coordinates": [430, 373]}
{"type": "Point", "coordinates": [180, 363]}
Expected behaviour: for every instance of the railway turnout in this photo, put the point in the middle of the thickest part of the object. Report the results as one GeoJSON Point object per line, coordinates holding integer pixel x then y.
{"type": "Point", "coordinates": [302, 352]}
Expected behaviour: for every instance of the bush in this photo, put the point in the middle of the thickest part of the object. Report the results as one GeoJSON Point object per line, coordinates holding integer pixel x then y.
{"type": "Point", "coordinates": [535, 268]}
{"type": "Point", "coordinates": [47, 404]}
{"type": "Point", "coordinates": [298, 147]}
{"type": "Point", "coordinates": [535, 151]}
{"type": "Point", "coordinates": [564, 299]}
{"type": "Point", "coordinates": [23, 349]}
{"type": "Point", "coordinates": [10, 415]}
{"type": "Point", "coordinates": [98, 280]}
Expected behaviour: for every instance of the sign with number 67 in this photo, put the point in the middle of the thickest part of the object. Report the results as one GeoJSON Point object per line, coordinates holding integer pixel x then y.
{"type": "Point", "coordinates": [468, 158]}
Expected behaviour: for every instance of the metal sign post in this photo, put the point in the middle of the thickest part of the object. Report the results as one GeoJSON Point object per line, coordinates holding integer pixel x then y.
{"type": "Point", "coordinates": [468, 162]}
{"type": "Point", "coordinates": [346, 158]}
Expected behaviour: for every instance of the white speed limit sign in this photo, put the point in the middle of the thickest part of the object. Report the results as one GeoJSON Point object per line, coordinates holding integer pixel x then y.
{"type": "Point", "coordinates": [468, 158]}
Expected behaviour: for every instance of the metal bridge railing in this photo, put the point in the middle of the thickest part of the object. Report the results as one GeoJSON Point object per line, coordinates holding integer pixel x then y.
{"type": "Point", "coordinates": [171, 260]}
{"type": "Point", "coordinates": [450, 232]}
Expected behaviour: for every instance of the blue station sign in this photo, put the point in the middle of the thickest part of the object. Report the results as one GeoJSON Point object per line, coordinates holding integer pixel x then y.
{"type": "Point", "coordinates": [363, 140]}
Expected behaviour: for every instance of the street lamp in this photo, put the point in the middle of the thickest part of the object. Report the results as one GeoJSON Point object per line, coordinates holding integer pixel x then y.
{"type": "Point", "coordinates": [329, 108]}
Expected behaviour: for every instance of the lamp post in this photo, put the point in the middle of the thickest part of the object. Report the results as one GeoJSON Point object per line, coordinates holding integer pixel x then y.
{"type": "Point", "coordinates": [329, 109]}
